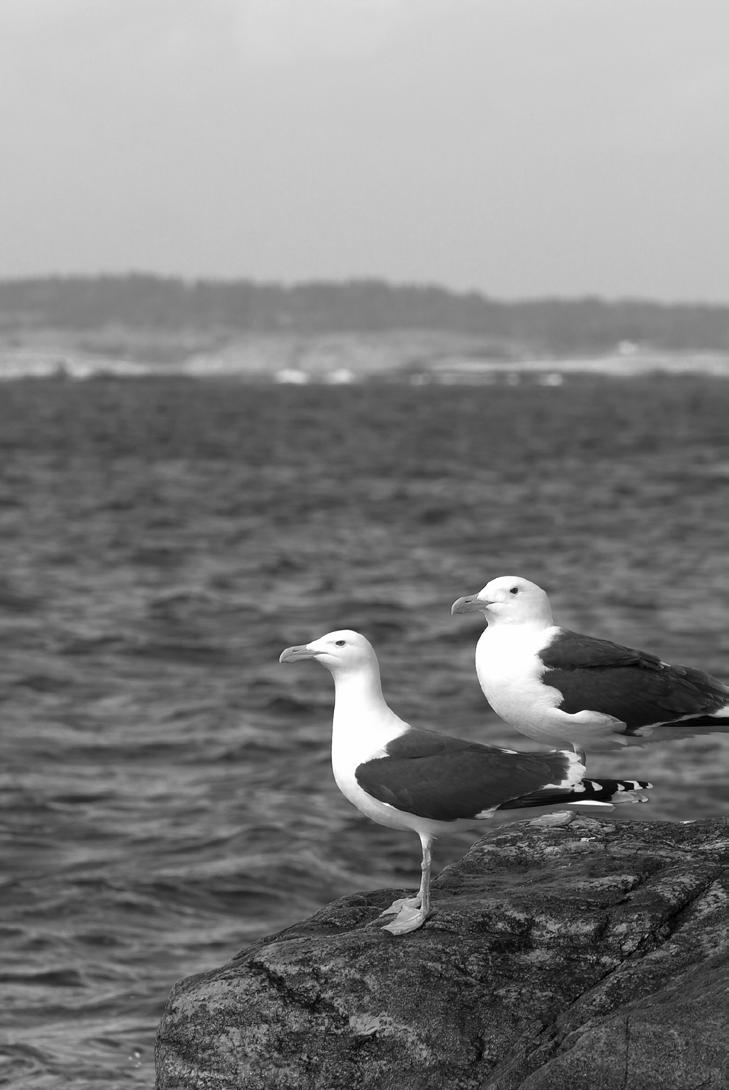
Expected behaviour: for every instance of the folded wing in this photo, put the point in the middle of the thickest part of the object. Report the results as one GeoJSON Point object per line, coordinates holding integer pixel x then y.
{"type": "Point", "coordinates": [630, 685]}
{"type": "Point", "coordinates": [445, 778]}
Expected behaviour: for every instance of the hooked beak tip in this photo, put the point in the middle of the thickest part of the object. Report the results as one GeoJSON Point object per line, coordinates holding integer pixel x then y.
{"type": "Point", "coordinates": [293, 654]}
{"type": "Point", "coordinates": [470, 603]}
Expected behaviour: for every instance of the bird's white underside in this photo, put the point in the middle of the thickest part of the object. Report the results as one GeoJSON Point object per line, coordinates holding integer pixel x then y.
{"type": "Point", "coordinates": [361, 729]}
{"type": "Point", "coordinates": [511, 672]}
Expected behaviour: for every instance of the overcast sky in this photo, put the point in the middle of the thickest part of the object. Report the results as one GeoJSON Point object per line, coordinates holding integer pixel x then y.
{"type": "Point", "coordinates": [515, 147]}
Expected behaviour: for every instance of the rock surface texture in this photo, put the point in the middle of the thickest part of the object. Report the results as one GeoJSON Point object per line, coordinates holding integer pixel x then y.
{"type": "Point", "coordinates": [589, 955]}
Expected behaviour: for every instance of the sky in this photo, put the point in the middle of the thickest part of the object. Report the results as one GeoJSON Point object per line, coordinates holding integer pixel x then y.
{"type": "Point", "coordinates": [517, 148]}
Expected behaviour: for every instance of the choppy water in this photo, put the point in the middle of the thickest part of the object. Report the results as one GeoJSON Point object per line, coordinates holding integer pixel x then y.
{"type": "Point", "coordinates": [166, 792]}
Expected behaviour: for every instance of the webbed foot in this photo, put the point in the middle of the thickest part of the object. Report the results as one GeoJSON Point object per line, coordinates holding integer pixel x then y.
{"type": "Point", "coordinates": [402, 902]}
{"type": "Point", "coordinates": [408, 918]}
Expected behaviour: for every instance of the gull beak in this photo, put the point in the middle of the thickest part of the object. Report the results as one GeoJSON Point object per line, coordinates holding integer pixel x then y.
{"type": "Point", "coordinates": [300, 651]}
{"type": "Point", "coordinates": [470, 603]}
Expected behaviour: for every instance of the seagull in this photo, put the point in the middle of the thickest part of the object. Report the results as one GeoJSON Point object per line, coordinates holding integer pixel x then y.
{"type": "Point", "coordinates": [408, 778]}
{"type": "Point", "coordinates": [560, 688]}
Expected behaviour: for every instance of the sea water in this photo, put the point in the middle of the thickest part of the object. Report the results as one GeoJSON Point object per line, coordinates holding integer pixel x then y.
{"type": "Point", "coordinates": [166, 793]}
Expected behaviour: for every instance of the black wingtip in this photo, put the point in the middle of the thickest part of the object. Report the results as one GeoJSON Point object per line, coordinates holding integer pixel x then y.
{"type": "Point", "coordinates": [609, 790]}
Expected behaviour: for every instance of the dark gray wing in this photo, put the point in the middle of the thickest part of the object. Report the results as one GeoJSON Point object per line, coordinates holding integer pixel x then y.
{"type": "Point", "coordinates": [442, 778]}
{"type": "Point", "coordinates": [633, 686]}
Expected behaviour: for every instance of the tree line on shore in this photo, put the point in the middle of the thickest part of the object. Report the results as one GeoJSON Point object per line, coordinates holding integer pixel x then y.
{"type": "Point", "coordinates": [587, 324]}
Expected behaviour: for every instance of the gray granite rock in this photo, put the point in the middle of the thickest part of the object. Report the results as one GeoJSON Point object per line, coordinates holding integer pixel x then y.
{"type": "Point", "coordinates": [592, 955]}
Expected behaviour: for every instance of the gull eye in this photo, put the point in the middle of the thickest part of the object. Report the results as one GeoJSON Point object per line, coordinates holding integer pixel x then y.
{"type": "Point", "coordinates": [514, 590]}
{"type": "Point", "coordinates": [340, 643]}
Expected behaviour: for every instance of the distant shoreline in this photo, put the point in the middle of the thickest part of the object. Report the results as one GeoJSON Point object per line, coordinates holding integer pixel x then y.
{"type": "Point", "coordinates": [159, 320]}
{"type": "Point", "coordinates": [411, 357]}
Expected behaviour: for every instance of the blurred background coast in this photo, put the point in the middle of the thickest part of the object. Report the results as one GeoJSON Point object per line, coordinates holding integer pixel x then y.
{"type": "Point", "coordinates": [393, 336]}
{"type": "Point", "coordinates": [344, 332]}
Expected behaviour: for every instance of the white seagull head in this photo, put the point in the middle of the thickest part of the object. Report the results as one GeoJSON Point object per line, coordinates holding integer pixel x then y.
{"type": "Point", "coordinates": [342, 652]}
{"type": "Point", "coordinates": [509, 599]}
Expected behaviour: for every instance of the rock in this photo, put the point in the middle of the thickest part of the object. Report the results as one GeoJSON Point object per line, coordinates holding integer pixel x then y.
{"type": "Point", "coordinates": [588, 956]}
